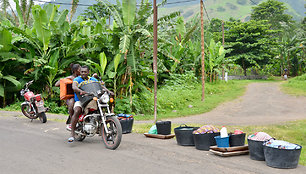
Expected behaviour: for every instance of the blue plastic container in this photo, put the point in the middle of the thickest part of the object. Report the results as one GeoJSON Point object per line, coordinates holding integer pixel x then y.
{"type": "Point", "coordinates": [222, 142]}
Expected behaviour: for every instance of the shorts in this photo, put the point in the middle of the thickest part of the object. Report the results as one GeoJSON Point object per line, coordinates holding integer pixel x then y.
{"type": "Point", "coordinates": [77, 104]}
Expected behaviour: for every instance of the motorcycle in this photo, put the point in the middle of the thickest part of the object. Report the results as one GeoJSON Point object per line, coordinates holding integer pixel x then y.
{"type": "Point", "coordinates": [97, 117]}
{"type": "Point", "coordinates": [33, 106]}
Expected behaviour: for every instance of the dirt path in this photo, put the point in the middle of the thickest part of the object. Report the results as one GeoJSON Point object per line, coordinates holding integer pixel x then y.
{"type": "Point", "coordinates": [263, 103]}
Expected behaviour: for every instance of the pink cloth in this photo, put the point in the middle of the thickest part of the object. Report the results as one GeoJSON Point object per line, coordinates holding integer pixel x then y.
{"type": "Point", "coordinates": [260, 136]}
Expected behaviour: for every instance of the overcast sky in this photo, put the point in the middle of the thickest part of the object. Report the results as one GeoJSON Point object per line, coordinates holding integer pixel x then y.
{"type": "Point", "coordinates": [13, 3]}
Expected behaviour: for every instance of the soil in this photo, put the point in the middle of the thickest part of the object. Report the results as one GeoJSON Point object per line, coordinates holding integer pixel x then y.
{"type": "Point", "coordinates": [262, 104]}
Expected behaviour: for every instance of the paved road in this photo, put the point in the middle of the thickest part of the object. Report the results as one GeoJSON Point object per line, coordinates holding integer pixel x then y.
{"type": "Point", "coordinates": [35, 148]}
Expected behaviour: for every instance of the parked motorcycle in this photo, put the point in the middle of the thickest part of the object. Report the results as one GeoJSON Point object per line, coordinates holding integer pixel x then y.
{"type": "Point", "coordinates": [33, 106]}
{"type": "Point", "coordinates": [97, 117]}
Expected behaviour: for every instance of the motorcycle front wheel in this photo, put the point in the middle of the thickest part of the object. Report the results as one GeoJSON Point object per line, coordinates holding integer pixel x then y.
{"type": "Point", "coordinates": [27, 111]}
{"type": "Point", "coordinates": [113, 139]}
{"type": "Point", "coordinates": [42, 117]}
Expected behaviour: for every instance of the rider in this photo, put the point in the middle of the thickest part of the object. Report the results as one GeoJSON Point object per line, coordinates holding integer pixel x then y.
{"type": "Point", "coordinates": [75, 69]}
{"type": "Point", "coordinates": [84, 78]}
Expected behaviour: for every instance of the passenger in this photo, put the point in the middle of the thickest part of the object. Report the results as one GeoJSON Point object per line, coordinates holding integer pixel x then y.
{"type": "Point", "coordinates": [75, 70]}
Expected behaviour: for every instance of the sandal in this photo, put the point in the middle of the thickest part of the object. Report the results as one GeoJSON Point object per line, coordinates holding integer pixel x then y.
{"type": "Point", "coordinates": [71, 140]}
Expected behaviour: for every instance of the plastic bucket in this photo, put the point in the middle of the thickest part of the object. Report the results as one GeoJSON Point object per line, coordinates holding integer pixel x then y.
{"type": "Point", "coordinates": [127, 125]}
{"type": "Point", "coordinates": [256, 150]}
{"type": "Point", "coordinates": [282, 158]}
{"type": "Point", "coordinates": [184, 135]}
{"type": "Point", "coordinates": [212, 138]}
{"type": "Point", "coordinates": [222, 142]}
{"type": "Point", "coordinates": [237, 140]}
{"type": "Point", "coordinates": [163, 127]}
{"type": "Point", "coordinates": [202, 141]}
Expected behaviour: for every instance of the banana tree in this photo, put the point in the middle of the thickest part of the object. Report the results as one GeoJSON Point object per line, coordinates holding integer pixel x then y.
{"type": "Point", "coordinates": [216, 59]}
{"type": "Point", "coordinates": [43, 43]}
{"type": "Point", "coordinates": [129, 32]}
{"type": "Point", "coordinates": [178, 48]}
{"type": "Point", "coordinates": [8, 62]}
{"type": "Point", "coordinates": [23, 9]}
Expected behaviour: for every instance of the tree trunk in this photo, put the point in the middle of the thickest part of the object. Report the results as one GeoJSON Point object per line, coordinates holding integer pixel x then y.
{"type": "Point", "coordinates": [244, 68]}
{"type": "Point", "coordinates": [4, 98]}
{"type": "Point", "coordinates": [202, 52]}
{"type": "Point", "coordinates": [155, 57]}
{"type": "Point", "coordinates": [210, 77]}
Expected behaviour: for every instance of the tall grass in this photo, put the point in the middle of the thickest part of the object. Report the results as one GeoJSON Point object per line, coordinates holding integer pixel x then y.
{"type": "Point", "coordinates": [178, 99]}
{"type": "Point", "coordinates": [295, 86]}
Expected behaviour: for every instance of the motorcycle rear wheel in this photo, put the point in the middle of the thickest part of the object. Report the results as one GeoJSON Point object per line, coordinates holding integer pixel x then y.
{"type": "Point", "coordinates": [42, 117]}
{"type": "Point", "coordinates": [26, 109]}
{"type": "Point", "coordinates": [113, 139]}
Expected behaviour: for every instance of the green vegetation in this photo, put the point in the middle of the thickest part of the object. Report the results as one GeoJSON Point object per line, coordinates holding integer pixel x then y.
{"type": "Point", "coordinates": [295, 86]}
{"type": "Point", "coordinates": [52, 105]}
{"type": "Point", "coordinates": [116, 41]}
{"type": "Point", "coordinates": [293, 132]}
{"type": "Point", "coordinates": [173, 100]}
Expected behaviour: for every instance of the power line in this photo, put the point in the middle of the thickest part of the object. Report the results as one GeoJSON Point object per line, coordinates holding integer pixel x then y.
{"type": "Point", "coordinates": [253, 2]}
{"type": "Point", "coordinates": [87, 5]}
{"type": "Point", "coordinates": [206, 11]}
{"type": "Point", "coordinates": [179, 2]}
{"type": "Point", "coordinates": [62, 3]}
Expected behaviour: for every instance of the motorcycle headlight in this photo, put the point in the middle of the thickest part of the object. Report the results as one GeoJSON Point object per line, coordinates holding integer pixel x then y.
{"type": "Point", "coordinates": [105, 98]}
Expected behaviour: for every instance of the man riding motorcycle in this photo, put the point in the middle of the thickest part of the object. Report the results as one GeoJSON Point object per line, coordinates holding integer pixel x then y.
{"type": "Point", "coordinates": [83, 78]}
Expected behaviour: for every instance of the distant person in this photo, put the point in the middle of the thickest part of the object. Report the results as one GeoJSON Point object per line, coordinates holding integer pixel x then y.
{"type": "Point", "coordinates": [75, 70]}
{"type": "Point", "coordinates": [285, 74]}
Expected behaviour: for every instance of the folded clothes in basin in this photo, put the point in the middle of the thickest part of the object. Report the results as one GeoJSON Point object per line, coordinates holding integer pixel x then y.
{"type": "Point", "coordinates": [206, 129]}
{"type": "Point", "coordinates": [281, 144]}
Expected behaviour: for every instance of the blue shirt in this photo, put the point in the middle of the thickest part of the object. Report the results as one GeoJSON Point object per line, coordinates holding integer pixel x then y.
{"type": "Point", "coordinates": [80, 82]}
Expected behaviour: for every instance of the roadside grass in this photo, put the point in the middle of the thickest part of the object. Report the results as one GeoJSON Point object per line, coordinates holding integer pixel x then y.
{"type": "Point", "coordinates": [179, 102]}
{"type": "Point", "coordinates": [13, 107]}
{"type": "Point", "coordinates": [293, 132]}
{"type": "Point", "coordinates": [295, 86]}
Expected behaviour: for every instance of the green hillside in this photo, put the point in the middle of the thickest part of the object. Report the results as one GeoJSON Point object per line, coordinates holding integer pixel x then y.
{"type": "Point", "coordinates": [238, 9]}
{"type": "Point", "coordinates": [223, 9]}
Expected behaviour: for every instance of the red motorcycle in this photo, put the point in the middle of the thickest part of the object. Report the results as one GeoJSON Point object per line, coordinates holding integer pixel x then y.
{"type": "Point", "coordinates": [97, 117]}
{"type": "Point", "coordinates": [33, 107]}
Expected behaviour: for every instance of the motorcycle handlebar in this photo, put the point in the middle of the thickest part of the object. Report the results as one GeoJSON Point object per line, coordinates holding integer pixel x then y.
{"type": "Point", "coordinates": [29, 83]}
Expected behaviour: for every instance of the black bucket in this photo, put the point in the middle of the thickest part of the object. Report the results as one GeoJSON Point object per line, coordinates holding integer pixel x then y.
{"type": "Point", "coordinates": [212, 138]}
{"type": "Point", "coordinates": [127, 125]}
{"type": "Point", "coordinates": [184, 135]}
{"type": "Point", "coordinates": [282, 158]}
{"type": "Point", "coordinates": [202, 141]}
{"type": "Point", "coordinates": [237, 140]}
{"type": "Point", "coordinates": [256, 150]}
{"type": "Point", "coordinates": [163, 127]}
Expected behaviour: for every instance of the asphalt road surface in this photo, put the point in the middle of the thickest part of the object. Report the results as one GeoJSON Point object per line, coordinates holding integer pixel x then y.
{"type": "Point", "coordinates": [35, 148]}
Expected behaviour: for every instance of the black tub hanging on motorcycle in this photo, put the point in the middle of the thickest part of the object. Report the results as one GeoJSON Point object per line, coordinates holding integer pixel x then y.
{"type": "Point", "coordinates": [33, 106]}
{"type": "Point", "coordinates": [97, 117]}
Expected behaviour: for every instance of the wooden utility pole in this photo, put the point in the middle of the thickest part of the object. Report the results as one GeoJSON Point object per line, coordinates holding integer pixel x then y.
{"type": "Point", "coordinates": [203, 54]}
{"type": "Point", "coordinates": [223, 47]}
{"type": "Point", "coordinates": [155, 58]}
